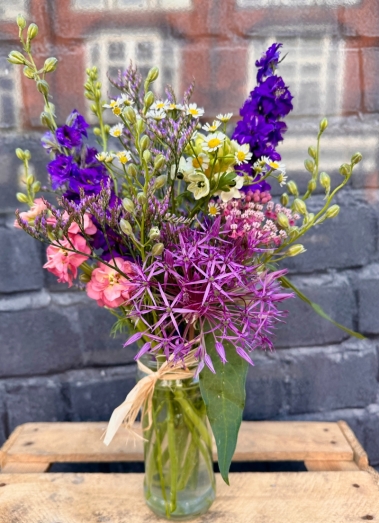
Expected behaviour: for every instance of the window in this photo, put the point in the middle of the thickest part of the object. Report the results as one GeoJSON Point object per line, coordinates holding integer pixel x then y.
{"type": "Point", "coordinates": [259, 4]}
{"type": "Point", "coordinates": [313, 69]}
{"type": "Point", "coordinates": [9, 94]}
{"type": "Point", "coordinates": [112, 52]}
{"type": "Point", "coordinates": [131, 4]}
{"type": "Point", "coordinates": [9, 10]}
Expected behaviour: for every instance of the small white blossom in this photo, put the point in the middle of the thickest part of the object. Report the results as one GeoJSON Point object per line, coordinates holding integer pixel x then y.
{"type": "Point", "coordinates": [160, 105]}
{"type": "Point", "coordinates": [234, 192]}
{"type": "Point", "coordinates": [172, 107]}
{"type": "Point", "coordinates": [124, 99]}
{"type": "Point", "coordinates": [211, 128]}
{"type": "Point", "coordinates": [124, 157]}
{"type": "Point", "coordinates": [101, 156]}
{"type": "Point", "coordinates": [116, 130]}
{"type": "Point", "coordinates": [156, 114]}
{"type": "Point", "coordinates": [213, 208]}
{"type": "Point", "coordinates": [201, 161]}
{"type": "Point", "coordinates": [194, 111]}
{"type": "Point", "coordinates": [277, 167]}
{"type": "Point", "coordinates": [213, 141]}
{"type": "Point", "coordinates": [224, 117]}
{"type": "Point", "coordinates": [199, 185]}
{"type": "Point", "coordinates": [181, 168]}
{"type": "Point", "coordinates": [242, 152]}
{"type": "Point", "coordinates": [260, 166]}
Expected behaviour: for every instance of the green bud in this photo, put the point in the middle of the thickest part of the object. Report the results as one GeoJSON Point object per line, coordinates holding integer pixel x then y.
{"type": "Point", "coordinates": [160, 181]}
{"type": "Point", "coordinates": [141, 126]}
{"type": "Point", "coordinates": [84, 278]}
{"type": "Point", "coordinates": [284, 199]}
{"type": "Point", "coordinates": [292, 188]}
{"type": "Point", "coordinates": [333, 211]}
{"type": "Point", "coordinates": [29, 179]}
{"type": "Point", "coordinates": [43, 87]}
{"type": "Point", "coordinates": [345, 170]}
{"type": "Point", "coordinates": [152, 75]}
{"type": "Point", "coordinates": [50, 64]}
{"type": "Point", "coordinates": [312, 151]}
{"type": "Point", "coordinates": [325, 181]}
{"type": "Point", "coordinates": [308, 218]}
{"type": "Point", "coordinates": [36, 187]}
{"type": "Point", "coordinates": [89, 96]}
{"type": "Point", "coordinates": [144, 142]}
{"type": "Point", "coordinates": [283, 220]}
{"type": "Point", "coordinates": [141, 198]}
{"type": "Point", "coordinates": [28, 72]}
{"type": "Point", "coordinates": [128, 205]}
{"type": "Point", "coordinates": [132, 170]}
{"type": "Point", "coordinates": [130, 114]}
{"type": "Point", "coordinates": [126, 227]}
{"type": "Point", "coordinates": [97, 131]}
{"type": "Point", "coordinates": [107, 128]}
{"type": "Point", "coordinates": [32, 31]}
{"type": "Point", "coordinates": [149, 99]}
{"type": "Point", "coordinates": [296, 249]}
{"type": "Point", "coordinates": [20, 154]}
{"type": "Point", "coordinates": [21, 197]}
{"type": "Point", "coordinates": [312, 185]}
{"type": "Point", "coordinates": [154, 233]}
{"type": "Point", "coordinates": [17, 58]}
{"type": "Point", "coordinates": [46, 120]}
{"type": "Point", "coordinates": [299, 206]}
{"type": "Point", "coordinates": [21, 22]}
{"type": "Point", "coordinates": [157, 249]}
{"type": "Point", "coordinates": [147, 156]}
{"type": "Point", "coordinates": [309, 165]}
{"type": "Point", "coordinates": [356, 158]}
{"type": "Point", "coordinates": [27, 154]}
{"type": "Point", "coordinates": [323, 124]}
{"type": "Point", "coordinates": [159, 161]}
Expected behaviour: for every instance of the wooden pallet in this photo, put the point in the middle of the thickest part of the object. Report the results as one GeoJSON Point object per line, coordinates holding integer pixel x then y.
{"type": "Point", "coordinates": [339, 486]}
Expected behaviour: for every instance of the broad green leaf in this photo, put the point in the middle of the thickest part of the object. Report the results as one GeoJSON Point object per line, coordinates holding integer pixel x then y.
{"type": "Point", "coordinates": [286, 283]}
{"type": "Point", "coordinates": [224, 396]}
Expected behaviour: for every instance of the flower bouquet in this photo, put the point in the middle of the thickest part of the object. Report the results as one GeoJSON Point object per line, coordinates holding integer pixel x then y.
{"type": "Point", "coordinates": [170, 224]}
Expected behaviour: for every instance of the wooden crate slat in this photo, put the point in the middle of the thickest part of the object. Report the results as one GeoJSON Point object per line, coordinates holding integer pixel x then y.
{"type": "Point", "coordinates": [258, 441]}
{"type": "Point", "coordinates": [317, 497]}
{"type": "Point", "coordinates": [360, 456]}
{"type": "Point", "coordinates": [330, 465]}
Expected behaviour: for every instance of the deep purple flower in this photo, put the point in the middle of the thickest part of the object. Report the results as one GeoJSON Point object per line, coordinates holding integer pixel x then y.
{"type": "Point", "coordinates": [68, 136]}
{"type": "Point", "coordinates": [269, 61]}
{"type": "Point", "coordinates": [77, 122]}
{"type": "Point", "coordinates": [271, 98]}
{"type": "Point", "coordinates": [60, 170]}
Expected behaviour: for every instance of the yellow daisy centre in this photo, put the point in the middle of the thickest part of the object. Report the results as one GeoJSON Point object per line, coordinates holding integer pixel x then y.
{"type": "Point", "coordinates": [123, 158]}
{"type": "Point", "coordinates": [197, 162]}
{"type": "Point", "coordinates": [213, 210]}
{"type": "Point", "coordinates": [116, 110]}
{"type": "Point", "coordinates": [274, 165]}
{"type": "Point", "coordinates": [214, 142]}
{"type": "Point", "coordinates": [194, 112]}
{"type": "Point", "coordinates": [160, 105]}
{"type": "Point", "coordinates": [113, 103]}
{"type": "Point", "coordinates": [117, 133]}
{"type": "Point", "coordinates": [241, 155]}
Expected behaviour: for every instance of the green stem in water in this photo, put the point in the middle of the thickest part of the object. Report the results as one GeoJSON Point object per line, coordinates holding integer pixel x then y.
{"type": "Point", "coordinates": [172, 453]}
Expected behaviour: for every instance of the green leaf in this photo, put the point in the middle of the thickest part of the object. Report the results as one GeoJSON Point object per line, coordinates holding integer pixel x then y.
{"type": "Point", "coordinates": [286, 283]}
{"type": "Point", "coordinates": [224, 396]}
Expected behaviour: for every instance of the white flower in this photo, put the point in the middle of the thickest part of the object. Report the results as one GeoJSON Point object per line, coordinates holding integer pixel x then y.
{"type": "Point", "coordinates": [199, 185]}
{"type": "Point", "coordinates": [101, 156]}
{"type": "Point", "coordinates": [211, 128]}
{"type": "Point", "coordinates": [213, 141]}
{"type": "Point", "coordinates": [282, 179]}
{"type": "Point", "coordinates": [224, 117]}
{"type": "Point", "coordinates": [199, 162]}
{"type": "Point", "coordinates": [171, 107]}
{"type": "Point", "coordinates": [261, 164]}
{"type": "Point", "coordinates": [112, 104]}
{"type": "Point", "coordinates": [213, 208]}
{"type": "Point", "coordinates": [124, 100]}
{"type": "Point", "coordinates": [160, 105]}
{"type": "Point", "coordinates": [242, 153]}
{"type": "Point", "coordinates": [277, 167]}
{"type": "Point", "coordinates": [234, 192]}
{"type": "Point", "coordinates": [156, 114]}
{"type": "Point", "coordinates": [116, 130]}
{"type": "Point", "coordinates": [181, 168]}
{"type": "Point", "coordinates": [110, 157]}
{"type": "Point", "coordinates": [194, 110]}
{"type": "Point", "coordinates": [124, 157]}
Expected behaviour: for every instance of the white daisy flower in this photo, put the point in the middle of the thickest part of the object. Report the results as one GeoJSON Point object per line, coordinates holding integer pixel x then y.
{"type": "Point", "coordinates": [194, 110]}
{"type": "Point", "coordinates": [213, 141]}
{"type": "Point", "coordinates": [112, 104]}
{"type": "Point", "coordinates": [110, 157]}
{"type": "Point", "coordinates": [277, 167]}
{"type": "Point", "coordinates": [124, 99]}
{"type": "Point", "coordinates": [156, 114]}
{"type": "Point", "coordinates": [172, 107]}
{"type": "Point", "coordinates": [199, 185]}
{"type": "Point", "coordinates": [282, 179]}
{"type": "Point", "coordinates": [181, 168]}
{"type": "Point", "coordinates": [213, 208]}
{"type": "Point", "coordinates": [242, 153]}
{"type": "Point", "coordinates": [124, 157]}
{"type": "Point", "coordinates": [101, 156]}
{"type": "Point", "coordinates": [211, 128]}
{"type": "Point", "coordinates": [234, 192]}
{"type": "Point", "coordinates": [116, 130]}
{"type": "Point", "coordinates": [224, 117]}
{"type": "Point", "coordinates": [199, 162]}
{"type": "Point", "coordinates": [160, 105]}
{"type": "Point", "coordinates": [261, 164]}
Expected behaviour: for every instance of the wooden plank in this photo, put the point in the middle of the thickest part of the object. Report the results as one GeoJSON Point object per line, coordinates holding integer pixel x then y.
{"type": "Point", "coordinates": [360, 456]}
{"type": "Point", "coordinates": [317, 497]}
{"type": "Point", "coordinates": [330, 465]}
{"type": "Point", "coordinates": [23, 468]}
{"type": "Point", "coordinates": [258, 441]}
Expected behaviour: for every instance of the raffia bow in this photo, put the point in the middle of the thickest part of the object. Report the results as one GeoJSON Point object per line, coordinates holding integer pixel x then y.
{"type": "Point", "coordinates": [141, 396]}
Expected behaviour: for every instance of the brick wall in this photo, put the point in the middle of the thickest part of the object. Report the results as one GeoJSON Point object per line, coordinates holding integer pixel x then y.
{"type": "Point", "coordinates": [57, 361]}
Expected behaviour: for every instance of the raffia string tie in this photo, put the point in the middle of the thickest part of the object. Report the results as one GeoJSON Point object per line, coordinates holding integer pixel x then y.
{"type": "Point", "coordinates": [141, 396]}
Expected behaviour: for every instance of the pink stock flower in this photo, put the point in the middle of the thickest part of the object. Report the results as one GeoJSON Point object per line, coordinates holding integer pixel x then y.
{"type": "Point", "coordinates": [108, 287]}
{"type": "Point", "coordinates": [29, 216]}
{"type": "Point", "coordinates": [89, 226]}
{"type": "Point", "coordinates": [64, 263]}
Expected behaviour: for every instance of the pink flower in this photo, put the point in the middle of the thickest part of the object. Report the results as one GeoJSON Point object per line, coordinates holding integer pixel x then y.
{"type": "Point", "coordinates": [64, 263]}
{"type": "Point", "coordinates": [89, 226]}
{"type": "Point", "coordinates": [35, 210]}
{"type": "Point", "coordinates": [108, 287]}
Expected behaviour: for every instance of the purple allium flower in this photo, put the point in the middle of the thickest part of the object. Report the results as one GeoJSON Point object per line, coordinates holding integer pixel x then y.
{"type": "Point", "coordinates": [268, 63]}
{"type": "Point", "coordinates": [60, 170]}
{"type": "Point", "coordinates": [68, 136]}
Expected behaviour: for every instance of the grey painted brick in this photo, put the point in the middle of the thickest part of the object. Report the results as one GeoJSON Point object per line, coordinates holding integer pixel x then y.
{"type": "Point", "coordinates": [332, 377]}
{"type": "Point", "coordinates": [368, 297]}
{"type": "Point", "coordinates": [39, 341]}
{"type": "Point", "coordinates": [303, 326]}
{"type": "Point", "coordinates": [92, 395]}
{"type": "Point", "coordinates": [370, 74]}
{"type": "Point", "coordinates": [3, 420]}
{"type": "Point", "coordinates": [372, 433]}
{"type": "Point", "coordinates": [24, 300]}
{"type": "Point", "coordinates": [34, 399]}
{"type": "Point", "coordinates": [21, 261]}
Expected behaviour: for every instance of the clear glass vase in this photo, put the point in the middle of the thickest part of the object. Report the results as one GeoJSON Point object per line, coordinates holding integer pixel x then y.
{"type": "Point", "coordinates": [179, 481]}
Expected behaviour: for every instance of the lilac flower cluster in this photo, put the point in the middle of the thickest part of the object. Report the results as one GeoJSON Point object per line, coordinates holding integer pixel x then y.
{"type": "Point", "coordinates": [261, 126]}
{"type": "Point", "coordinates": [202, 285]}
